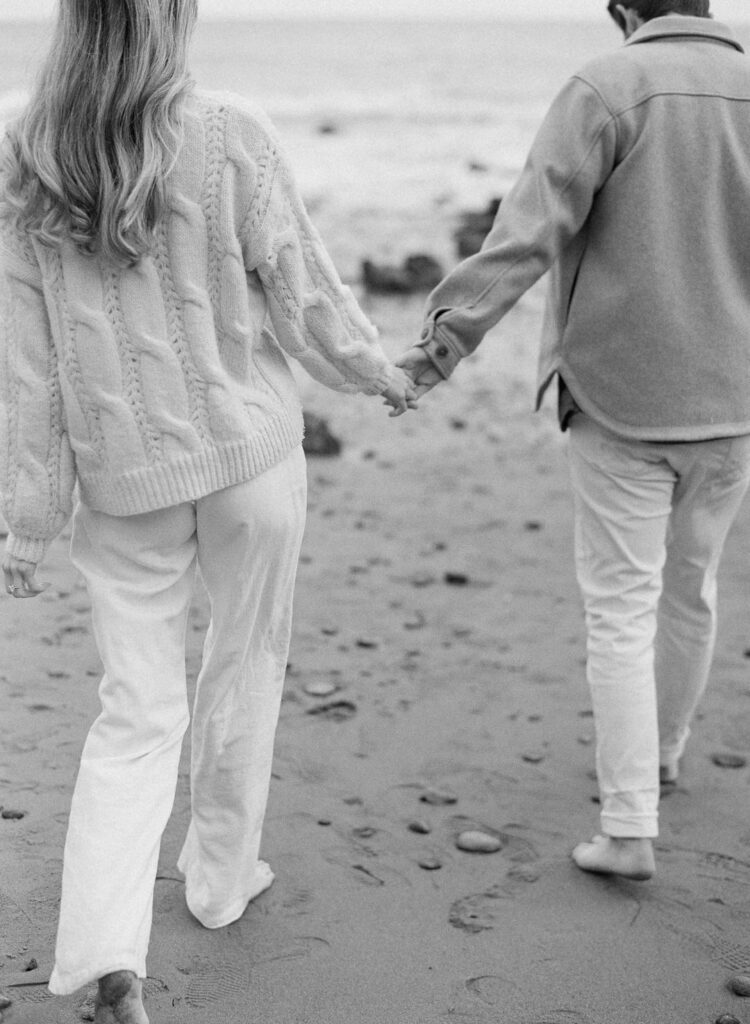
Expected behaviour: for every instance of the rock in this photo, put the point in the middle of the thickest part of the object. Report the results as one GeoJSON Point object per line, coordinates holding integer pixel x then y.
{"type": "Point", "coordinates": [320, 688]}
{"type": "Point", "coordinates": [474, 841]}
{"type": "Point", "coordinates": [420, 827]}
{"type": "Point", "coordinates": [318, 438]}
{"type": "Point", "coordinates": [31, 965]}
{"type": "Point", "coordinates": [418, 272]}
{"type": "Point", "coordinates": [429, 864]}
{"type": "Point", "coordinates": [473, 228]}
{"type": "Point", "coordinates": [10, 815]}
{"type": "Point", "coordinates": [337, 711]}
{"type": "Point", "coordinates": [456, 579]}
{"type": "Point", "coordinates": [366, 643]}
{"type": "Point", "coordinates": [532, 526]}
{"type": "Point", "coordinates": [724, 760]}
{"type": "Point", "coordinates": [533, 757]}
{"type": "Point", "coordinates": [438, 798]}
{"type": "Point", "coordinates": [5, 1001]}
{"type": "Point", "coordinates": [740, 984]}
{"type": "Point", "coordinates": [328, 128]}
{"type": "Point", "coordinates": [728, 1018]}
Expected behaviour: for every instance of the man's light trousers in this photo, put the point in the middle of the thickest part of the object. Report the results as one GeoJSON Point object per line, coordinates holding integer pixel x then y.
{"type": "Point", "coordinates": [650, 524]}
{"type": "Point", "coordinates": [140, 572]}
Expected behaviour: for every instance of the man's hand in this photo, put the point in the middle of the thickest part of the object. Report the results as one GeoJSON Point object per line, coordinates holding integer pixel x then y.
{"type": "Point", "coordinates": [400, 394]}
{"type": "Point", "coordinates": [20, 578]}
{"type": "Point", "coordinates": [421, 369]}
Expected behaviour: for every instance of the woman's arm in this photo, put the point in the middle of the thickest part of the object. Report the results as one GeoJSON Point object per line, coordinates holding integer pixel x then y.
{"type": "Point", "coordinates": [37, 465]}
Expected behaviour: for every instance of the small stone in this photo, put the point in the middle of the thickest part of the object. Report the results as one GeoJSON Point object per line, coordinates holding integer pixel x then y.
{"type": "Point", "coordinates": [320, 687]}
{"type": "Point", "coordinates": [740, 984]}
{"type": "Point", "coordinates": [532, 757]}
{"type": "Point", "coordinates": [10, 815]}
{"type": "Point", "coordinates": [32, 964]}
{"type": "Point", "coordinates": [336, 711]}
{"type": "Point", "coordinates": [474, 841]}
{"type": "Point", "coordinates": [724, 760]}
{"type": "Point", "coordinates": [5, 1001]}
{"type": "Point", "coordinates": [367, 644]}
{"type": "Point", "coordinates": [438, 798]}
{"type": "Point", "coordinates": [420, 827]}
{"type": "Point", "coordinates": [456, 579]}
{"type": "Point", "coordinates": [728, 1018]}
{"type": "Point", "coordinates": [429, 864]}
{"type": "Point", "coordinates": [324, 822]}
{"type": "Point", "coordinates": [533, 526]}
{"type": "Point", "coordinates": [524, 873]}
{"type": "Point", "coordinates": [364, 832]}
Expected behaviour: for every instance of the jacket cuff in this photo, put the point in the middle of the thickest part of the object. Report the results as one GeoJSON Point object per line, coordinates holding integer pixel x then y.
{"type": "Point", "coordinates": [442, 350]}
{"type": "Point", "coordinates": [27, 549]}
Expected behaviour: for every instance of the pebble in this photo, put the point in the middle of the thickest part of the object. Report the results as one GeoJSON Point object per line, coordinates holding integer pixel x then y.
{"type": "Point", "coordinates": [456, 579]}
{"type": "Point", "coordinates": [728, 1018]}
{"type": "Point", "coordinates": [740, 984]}
{"type": "Point", "coordinates": [532, 526]}
{"type": "Point", "coordinates": [31, 965]}
{"type": "Point", "coordinates": [5, 1001]}
{"type": "Point", "coordinates": [420, 827]}
{"type": "Point", "coordinates": [320, 687]}
{"type": "Point", "coordinates": [532, 757]}
{"type": "Point", "coordinates": [430, 864]}
{"type": "Point", "coordinates": [474, 841]}
{"type": "Point", "coordinates": [12, 815]}
{"type": "Point", "coordinates": [366, 643]}
{"type": "Point", "coordinates": [729, 760]}
{"type": "Point", "coordinates": [438, 798]}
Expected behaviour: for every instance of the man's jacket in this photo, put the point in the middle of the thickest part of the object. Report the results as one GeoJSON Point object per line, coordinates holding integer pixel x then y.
{"type": "Point", "coordinates": [637, 190]}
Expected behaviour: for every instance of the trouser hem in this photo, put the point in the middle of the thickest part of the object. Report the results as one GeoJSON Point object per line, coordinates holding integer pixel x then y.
{"type": "Point", "coordinates": [65, 983]}
{"type": "Point", "coordinates": [630, 827]}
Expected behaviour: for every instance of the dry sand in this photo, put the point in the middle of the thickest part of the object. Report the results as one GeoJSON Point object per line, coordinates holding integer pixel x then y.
{"type": "Point", "coordinates": [473, 689]}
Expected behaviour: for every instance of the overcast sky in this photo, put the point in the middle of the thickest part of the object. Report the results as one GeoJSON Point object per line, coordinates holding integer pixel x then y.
{"type": "Point", "coordinates": [729, 10]}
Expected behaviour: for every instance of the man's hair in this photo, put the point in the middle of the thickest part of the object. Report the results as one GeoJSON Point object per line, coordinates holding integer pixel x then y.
{"type": "Point", "coordinates": [648, 9]}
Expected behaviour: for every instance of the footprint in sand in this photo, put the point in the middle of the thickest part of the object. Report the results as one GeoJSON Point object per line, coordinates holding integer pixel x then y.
{"type": "Point", "coordinates": [209, 981]}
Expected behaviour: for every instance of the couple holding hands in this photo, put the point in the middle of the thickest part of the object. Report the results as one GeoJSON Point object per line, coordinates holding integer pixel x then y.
{"type": "Point", "coordinates": [157, 269]}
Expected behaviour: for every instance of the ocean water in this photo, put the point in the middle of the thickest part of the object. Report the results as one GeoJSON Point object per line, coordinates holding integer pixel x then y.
{"type": "Point", "coordinates": [392, 127]}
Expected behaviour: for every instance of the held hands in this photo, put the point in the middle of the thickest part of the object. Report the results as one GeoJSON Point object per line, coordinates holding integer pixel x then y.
{"type": "Point", "coordinates": [420, 369]}
{"type": "Point", "coordinates": [400, 394]}
{"type": "Point", "coordinates": [20, 578]}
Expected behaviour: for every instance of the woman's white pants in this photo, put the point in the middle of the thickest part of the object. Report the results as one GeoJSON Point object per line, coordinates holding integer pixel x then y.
{"type": "Point", "coordinates": [650, 524]}
{"type": "Point", "coordinates": [140, 572]}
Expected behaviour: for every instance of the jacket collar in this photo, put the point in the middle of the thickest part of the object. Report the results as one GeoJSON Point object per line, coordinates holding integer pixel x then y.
{"type": "Point", "coordinates": [683, 26]}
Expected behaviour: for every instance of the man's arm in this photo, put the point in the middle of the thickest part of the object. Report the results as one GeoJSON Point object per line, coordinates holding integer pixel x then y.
{"type": "Point", "coordinates": [571, 157]}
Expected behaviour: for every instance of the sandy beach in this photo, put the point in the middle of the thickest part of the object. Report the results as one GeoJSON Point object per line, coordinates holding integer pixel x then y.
{"type": "Point", "coordinates": [436, 680]}
{"type": "Point", "coordinates": [436, 684]}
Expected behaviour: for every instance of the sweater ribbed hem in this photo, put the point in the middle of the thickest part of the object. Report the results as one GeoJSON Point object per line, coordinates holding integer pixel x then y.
{"type": "Point", "coordinates": [193, 476]}
{"type": "Point", "coordinates": [28, 549]}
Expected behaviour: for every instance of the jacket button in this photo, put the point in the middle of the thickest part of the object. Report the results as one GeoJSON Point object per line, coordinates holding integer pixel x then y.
{"type": "Point", "coordinates": [441, 351]}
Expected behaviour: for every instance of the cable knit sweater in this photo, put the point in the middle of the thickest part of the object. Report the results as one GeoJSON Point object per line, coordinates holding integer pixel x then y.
{"type": "Point", "coordinates": [158, 384]}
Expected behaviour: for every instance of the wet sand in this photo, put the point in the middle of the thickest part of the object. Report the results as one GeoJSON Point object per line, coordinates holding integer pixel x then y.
{"type": "Point", "coordinates": [436, 684]}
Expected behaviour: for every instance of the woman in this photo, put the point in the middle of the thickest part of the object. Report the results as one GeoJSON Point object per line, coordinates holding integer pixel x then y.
{"type": "Point", "coordinates": [147, 231]}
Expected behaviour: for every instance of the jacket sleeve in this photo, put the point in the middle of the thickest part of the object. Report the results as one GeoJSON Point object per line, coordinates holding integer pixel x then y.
{"type": "Point", "coordinates": [37, 465]}
{"type": "Point", "coordinates": [315, 317]}
{"type": "Point", "coordinates": [570, 159]}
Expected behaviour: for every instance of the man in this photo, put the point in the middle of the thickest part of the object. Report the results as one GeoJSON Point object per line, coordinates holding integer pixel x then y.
{"type": "Point", "coordinates": [637, 193]}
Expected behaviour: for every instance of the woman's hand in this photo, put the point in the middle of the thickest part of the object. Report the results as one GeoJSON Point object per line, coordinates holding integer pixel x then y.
{"type": "Point", "coordinates": [420, 369]}
{"type": "Point", "coordinates": [400, 394]}
{"type": "Point", "coordinates": [20, 578]}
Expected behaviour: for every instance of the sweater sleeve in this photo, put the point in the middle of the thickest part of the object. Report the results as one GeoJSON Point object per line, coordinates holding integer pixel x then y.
{"type": "Point", "coordinates": [570, 159]}
{"type": "Point", "coordinates": [315, 317]}
{"type": "Point", "coordinates": [37, 465]}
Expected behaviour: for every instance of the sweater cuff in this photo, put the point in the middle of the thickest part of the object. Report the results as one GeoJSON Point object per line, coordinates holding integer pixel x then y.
{"type": "Point", "coordinates": [439, 346]}
{"type": "Point", "coordinates": [27, 549]}
{"type": "Point", "coordinates": [383, 380]}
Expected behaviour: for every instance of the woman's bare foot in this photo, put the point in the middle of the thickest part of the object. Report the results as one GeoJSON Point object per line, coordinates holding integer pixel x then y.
{"type": "Point", "coordinates": [607, 855]}
{"type": "Point", "coordinates": [120, 1000]}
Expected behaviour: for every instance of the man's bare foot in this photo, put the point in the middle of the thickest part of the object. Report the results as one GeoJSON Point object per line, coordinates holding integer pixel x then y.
{"type": "Point", "coordinates": [607, 855]}
{"type": "Point", "coordinates": [120, 1000]}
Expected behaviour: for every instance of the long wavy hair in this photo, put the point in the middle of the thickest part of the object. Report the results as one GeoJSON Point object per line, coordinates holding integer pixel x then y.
{"type": "Point", "coordinates": [88, 160]}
